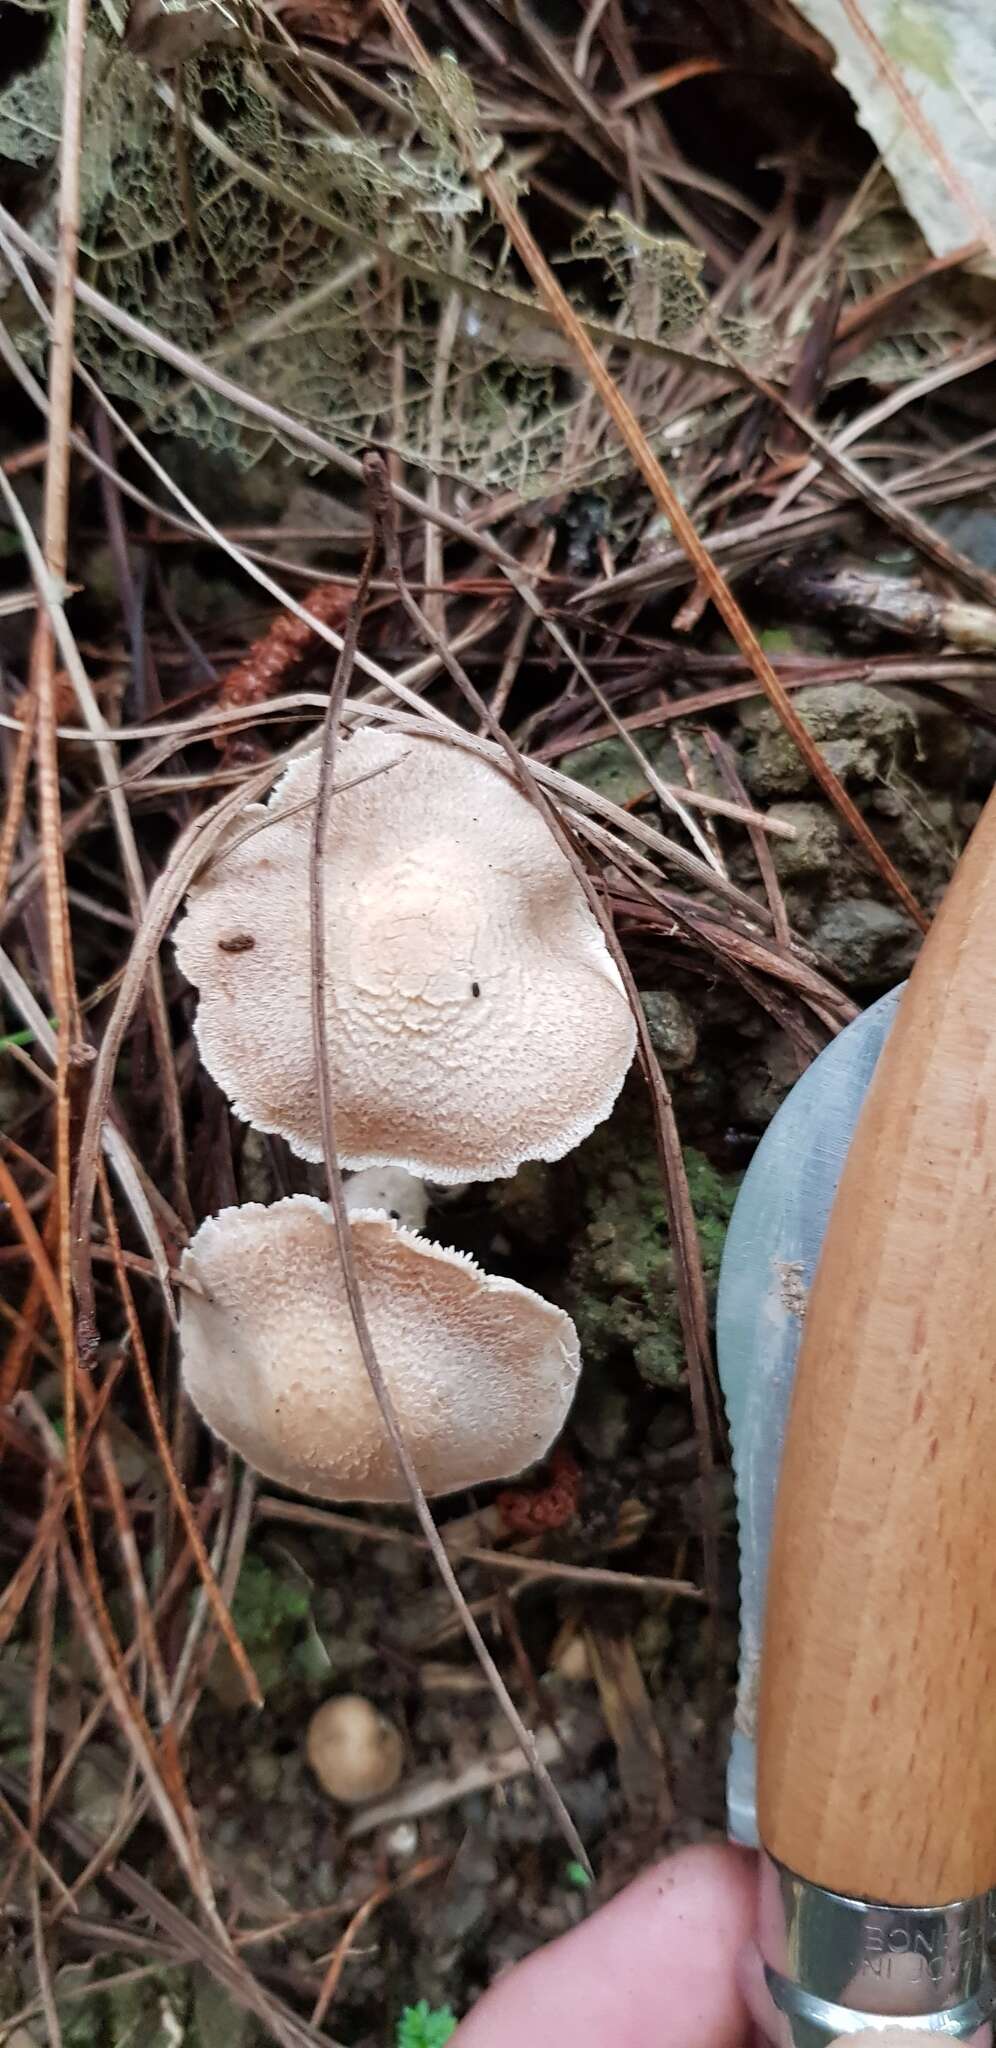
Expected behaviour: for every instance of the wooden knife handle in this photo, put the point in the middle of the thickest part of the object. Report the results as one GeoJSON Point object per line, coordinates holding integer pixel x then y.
{"type": "Point", "coordinates": [877, 1741]}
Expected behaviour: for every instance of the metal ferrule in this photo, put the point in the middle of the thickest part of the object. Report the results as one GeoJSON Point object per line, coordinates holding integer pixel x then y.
{"type": "Point", "coordinates": [826, 1965]}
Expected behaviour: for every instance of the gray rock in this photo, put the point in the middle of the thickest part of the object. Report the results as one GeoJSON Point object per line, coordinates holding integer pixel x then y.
{"type": "Point", "coordinates": [96, 1794]}
{"type": "Point", "coordinates": [464, 1910]}
{"type": "Point", "coordinates": [763, 1084]}
{"type": "Point", "coordinates": [672, 1030]}
{"type": "Point", "coordinates": [869, 944]}
{"type": "Point", "coordinates": [600, 1417]}
{"type": "Point", "coordinates": [815, 850]}
{"type": "Point", "coordinates": [257, 1180]}
{"type": "Point", "coordinates": [861, 733]}
{"type": "Point", "coordinates": [970, 524]}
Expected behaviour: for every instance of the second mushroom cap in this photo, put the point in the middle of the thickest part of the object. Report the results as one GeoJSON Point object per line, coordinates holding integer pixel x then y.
{"type": "Point", "coordinates": [481, 1371]}
{"type": "Point", "coordinates": [475, 1016]}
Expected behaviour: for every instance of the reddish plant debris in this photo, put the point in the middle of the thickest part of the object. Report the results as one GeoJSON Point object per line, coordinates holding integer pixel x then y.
{"type": "Point", "coordinates": [286, 646]}
{"type": "Point", "coordinates": [66, 704]}
{"type": "Point", "coordinates": [528, 1511]}
{"type": "Point", "coordinates": [334, 21]}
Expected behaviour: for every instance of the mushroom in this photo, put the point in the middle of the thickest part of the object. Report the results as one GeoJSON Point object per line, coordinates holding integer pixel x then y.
{"type": "Point", "coordinates": [481, 1370]}
{"type": "Point", "coordinates": [355, 1752]}
{"type": "Point", "coordinates": [475, 1016]}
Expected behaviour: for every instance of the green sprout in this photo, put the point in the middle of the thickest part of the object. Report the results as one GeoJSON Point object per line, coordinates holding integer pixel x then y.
{"type": "Point", "coordinates": [425, 2026]}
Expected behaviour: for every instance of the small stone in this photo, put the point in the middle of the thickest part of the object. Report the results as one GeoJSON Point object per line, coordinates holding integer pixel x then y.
{"type": "Point", "coordinates": [861, 733]}
{"type": "Point", "coordinates": [398, 1562]}
{"type": "Point", "coordinates": [96, 1799]}
{"type": "Point", "coordinates": [476, 1861]}
{"type": "Point", "coordinates": [264, 1772]}
{"type": "Point", "coordinates": [816, 846]}
{"type": "Point", "coordinates": [764, 1082]}
{"type": "Point", "coordinates": [869, 944]}
{"type": "Point", "coordinates": [257, 1179]}
{"type": "Point", "coordinates": [401, 1842]}
{"type": "Point", "coordinates": [325, 1882]}
{"type": "Point", "coordinates": [672, 1030]}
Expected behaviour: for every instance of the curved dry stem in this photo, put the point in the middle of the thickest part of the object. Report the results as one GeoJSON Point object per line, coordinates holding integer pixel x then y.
{"type": "Point", "coordinates": [692, 1303]}
{"type": "Point", "coordinates": [337, 1204]}
{"type": "Point", "coordinates": [192, 849]}
{"type": "Point", "coordinates": [174, 1482]}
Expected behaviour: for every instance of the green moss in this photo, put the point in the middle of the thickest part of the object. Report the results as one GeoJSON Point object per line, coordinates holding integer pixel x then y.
{"type": "Point", "coordinates": [153, 2013]}
{"type": "Point", "coordinates": [265, 1603]}
{"type": "Point", "coordinates": [611, 769]}
{"type": "Point", "coordinates": [622, 1276]}
{"type": "Point", "coordinates": [271, 1611]}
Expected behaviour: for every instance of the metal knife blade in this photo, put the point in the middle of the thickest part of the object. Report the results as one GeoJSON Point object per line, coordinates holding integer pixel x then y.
{"type": "Point", "coordinates": [771, 1252]}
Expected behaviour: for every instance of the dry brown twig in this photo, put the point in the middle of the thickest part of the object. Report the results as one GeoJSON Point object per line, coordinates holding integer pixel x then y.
{"type": "Point", "coordinates": [380, 499]}
{"type": "Point", "coordinates": [270, 1509]}
{"type": "Point", "coordinates": [71, 1053]}
{"type": "Point", "coordinates": [39, 1730]}
{"type": "Point", "coordinates": [427, 1866]}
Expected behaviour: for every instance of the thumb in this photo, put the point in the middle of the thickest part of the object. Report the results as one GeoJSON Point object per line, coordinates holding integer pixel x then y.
{"type": "Point", "coordinates": [655, 1964]}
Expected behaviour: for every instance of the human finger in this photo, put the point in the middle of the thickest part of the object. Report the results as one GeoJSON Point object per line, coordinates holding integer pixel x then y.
{"type": "Point", "coordinates": [655, 1968]}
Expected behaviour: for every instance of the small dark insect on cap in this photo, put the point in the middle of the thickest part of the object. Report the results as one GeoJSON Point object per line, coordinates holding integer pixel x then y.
{"type": "Point", "coordinates": [240, 942]}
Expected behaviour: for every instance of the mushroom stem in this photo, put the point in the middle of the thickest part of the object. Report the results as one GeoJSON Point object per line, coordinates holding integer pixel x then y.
{"type": "Point", "coordinates": [390, 1190]}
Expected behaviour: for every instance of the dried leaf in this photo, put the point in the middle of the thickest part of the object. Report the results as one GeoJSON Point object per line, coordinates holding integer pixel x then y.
{"type": "Point", "coordinates": [167, 33]}
{"type": "Point", "coordinates": [334, 21]}
{"type": "Point", "coordinates": [922, 74]}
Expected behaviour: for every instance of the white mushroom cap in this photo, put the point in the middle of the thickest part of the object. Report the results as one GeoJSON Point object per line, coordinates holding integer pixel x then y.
{"type": "Point", "coordinates": [482, 1371]}
{"type": "Point", "coordinates": [475, 1016]}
